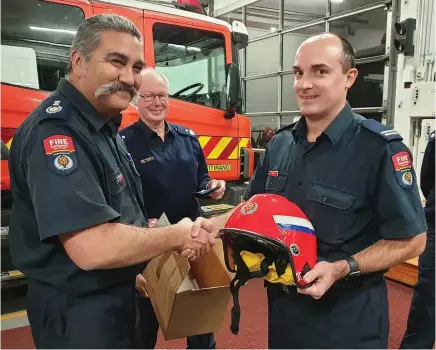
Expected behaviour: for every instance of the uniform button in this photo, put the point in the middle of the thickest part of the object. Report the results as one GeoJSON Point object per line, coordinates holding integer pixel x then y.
{"type": "Point", "coordinates": [299, 183]}
{"type": "Point", "coordinates": [324, 199]}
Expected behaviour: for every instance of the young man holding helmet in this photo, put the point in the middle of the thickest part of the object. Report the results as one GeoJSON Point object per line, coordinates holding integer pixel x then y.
{"type": "Point", "coordinates": [354, 180]}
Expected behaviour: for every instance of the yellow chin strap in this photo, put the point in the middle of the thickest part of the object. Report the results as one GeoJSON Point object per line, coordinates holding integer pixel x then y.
{"type": "Point", "coordinates": [253, 261]}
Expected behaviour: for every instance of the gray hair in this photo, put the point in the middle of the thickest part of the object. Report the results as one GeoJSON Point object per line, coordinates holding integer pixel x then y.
{"type": "Point", "coordinates": [150, 71]}
{"type": "Point", "coordinates": [87, 38]}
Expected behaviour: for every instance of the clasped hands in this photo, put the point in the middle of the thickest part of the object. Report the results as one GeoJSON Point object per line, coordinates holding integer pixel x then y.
{"type": "Point", "coordinates": [194, 239]}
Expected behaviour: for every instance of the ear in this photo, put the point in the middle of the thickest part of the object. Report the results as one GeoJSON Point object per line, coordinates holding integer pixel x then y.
{"type": "Point", "coordinates": [351, 77]}
{"type": "Point", "coordinates": [77, 63]}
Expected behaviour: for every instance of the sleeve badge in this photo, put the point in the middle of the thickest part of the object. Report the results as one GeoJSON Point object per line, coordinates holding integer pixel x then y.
{"type": "Point", "coordinates": [60, 154]}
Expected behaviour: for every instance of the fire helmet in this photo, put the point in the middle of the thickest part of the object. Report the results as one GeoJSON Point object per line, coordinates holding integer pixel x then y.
{"type": "Point", "coordinates": [267, 237]}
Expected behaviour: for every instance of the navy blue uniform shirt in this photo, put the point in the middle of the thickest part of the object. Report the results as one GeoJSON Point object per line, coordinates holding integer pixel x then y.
{"type": "Point", "coordinates": [69, 170]}
{"type": "Point", "coordinates": [170, 170]}
{"type": "Point", "coordinates": [356, 183]}
{"type": "Point", "coordinates": [428, 178]}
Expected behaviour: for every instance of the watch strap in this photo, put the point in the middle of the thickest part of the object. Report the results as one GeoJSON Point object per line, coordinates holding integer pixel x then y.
{"type": "Point", "coordinates": [354, 267]}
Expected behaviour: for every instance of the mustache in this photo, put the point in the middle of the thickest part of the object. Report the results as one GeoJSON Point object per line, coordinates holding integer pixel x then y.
{"type": "Point", "coordinates": [115, 86]}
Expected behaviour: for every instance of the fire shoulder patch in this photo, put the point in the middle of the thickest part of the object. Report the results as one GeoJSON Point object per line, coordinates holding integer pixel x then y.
{"type": "Point", "coordinates": [403, 169]}
{"type": "Point", "coordinates": [60, 154]}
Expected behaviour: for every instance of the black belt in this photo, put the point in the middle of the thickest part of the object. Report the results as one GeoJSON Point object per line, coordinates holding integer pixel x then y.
{"type": "Point", "coordinates": [339, 288]}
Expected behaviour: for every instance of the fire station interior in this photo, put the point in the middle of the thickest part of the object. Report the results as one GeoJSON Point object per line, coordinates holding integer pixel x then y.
{"type": "Point", "coordinates": [275, 29]}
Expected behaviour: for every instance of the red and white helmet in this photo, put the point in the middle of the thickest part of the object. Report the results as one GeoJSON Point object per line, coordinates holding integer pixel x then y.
{"type": "Point", "coordinates": [267, 237]}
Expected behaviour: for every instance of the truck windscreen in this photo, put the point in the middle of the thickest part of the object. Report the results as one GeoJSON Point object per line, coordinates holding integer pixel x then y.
{"type": "Point", "coordinates": [37, 33]}
{"type": "Point", "coordinates": [194, 62]}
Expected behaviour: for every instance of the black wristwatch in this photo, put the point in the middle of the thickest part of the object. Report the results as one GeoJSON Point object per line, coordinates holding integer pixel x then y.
{"type": "Point", "coordinates": [354, 267]}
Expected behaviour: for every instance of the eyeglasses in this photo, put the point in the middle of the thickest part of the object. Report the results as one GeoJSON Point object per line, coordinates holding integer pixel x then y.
{"type": "Point", "coordinates": [152, 97]}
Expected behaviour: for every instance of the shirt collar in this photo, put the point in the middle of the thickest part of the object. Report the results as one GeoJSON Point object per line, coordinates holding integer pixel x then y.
{"type": "Point", "coordinates": [114, 125]}
{"type": "Point", "coordinates": [81, 103]}
{"type": "Point", "coordinates": [150, 133]}
{"type": "Point", "coordinates": [334, 131]}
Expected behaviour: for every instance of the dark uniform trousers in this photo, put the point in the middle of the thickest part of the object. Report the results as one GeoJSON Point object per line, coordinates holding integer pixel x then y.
{"type": "Point", "coordinates": [420, 332]}
{"type": "Point", "coordinates": [350, 315]}
{"type": "Point", "coordinates": [98, 320]}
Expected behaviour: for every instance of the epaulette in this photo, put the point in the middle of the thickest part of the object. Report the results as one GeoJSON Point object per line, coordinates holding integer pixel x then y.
{"type": "Point", "coordinates": [380, 129]}
{"type": "Point", "coordinates": [182, 130]}
{"type": "Point", "coordinates": [54, 107]}
{"type": "Point", "coordinates": [289, 126]}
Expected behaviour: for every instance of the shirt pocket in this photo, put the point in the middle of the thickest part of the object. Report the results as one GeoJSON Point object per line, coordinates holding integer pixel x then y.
{"type": "Point", "coordinates": [276, 184]}
{"type": "Point", "coordinates": [330, 196]}
{"type": "Point", "coordinates": [331, 211]}
{"type": "Point", "coordinates": [117, 182]}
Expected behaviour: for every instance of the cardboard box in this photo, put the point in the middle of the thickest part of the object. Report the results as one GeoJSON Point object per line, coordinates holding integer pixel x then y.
{"type": "Point", "coordinates": [181, 308]}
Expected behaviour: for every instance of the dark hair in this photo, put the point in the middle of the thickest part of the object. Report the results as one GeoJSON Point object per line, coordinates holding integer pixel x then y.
{"type": "Point", "coordinates": [87, 38]}
{"type": "Point", "coordinates": [349, 59]}
{"type": "Point", "coordinates": [349, 56]}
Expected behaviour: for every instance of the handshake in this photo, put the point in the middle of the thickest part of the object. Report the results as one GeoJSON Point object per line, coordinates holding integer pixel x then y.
{"type": "Point", "coordinates": [193, 239]}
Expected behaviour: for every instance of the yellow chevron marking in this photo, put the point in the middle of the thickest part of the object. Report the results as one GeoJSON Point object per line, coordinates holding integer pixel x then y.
{"type": "Point", "coordinates": [8, 145]}
{"type": "Point", "coordinates": [219, 147]}
{"type": "Point", "coordinates": [242, 143]}
{"type": "Point", "coordinates": [13, 315]}
{"type": "Point", "coordinates": [203, 140]}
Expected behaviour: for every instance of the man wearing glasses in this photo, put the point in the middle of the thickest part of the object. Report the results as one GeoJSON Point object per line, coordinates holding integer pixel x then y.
{"type": "Point", "coordinates": [173, 172]}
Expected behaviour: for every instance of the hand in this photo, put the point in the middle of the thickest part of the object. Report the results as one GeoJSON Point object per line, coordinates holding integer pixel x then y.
{"type": "Point", "coordinates": [141, 286]}
{"type": "Point", "coordinates": [219, 193]}
{"type": "Point", "coordinates": [195, 235]}
{"type": "Point", "coordinates": [152, 223]}
{"type": "Point", "coordinates": [323, 275]}
{"type": "Point", "coordinates": [189, 254]}
{"type": "Point", "coordinates": [202, 225]}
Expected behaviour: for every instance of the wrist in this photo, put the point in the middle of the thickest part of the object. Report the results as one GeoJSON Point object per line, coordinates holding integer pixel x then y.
{"type": "Point", "coordinates": [341, 268]}
{"type": "Point", "coordinates": [173, 235]}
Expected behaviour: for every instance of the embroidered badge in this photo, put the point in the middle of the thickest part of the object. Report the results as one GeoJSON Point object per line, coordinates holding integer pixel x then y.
{"type": "Point", "coordinates": [274, 173]}
{"type": "Point", "coordinates": [60, 154]}
{"type": "Point", "coordinates": [407, 178]}
{"type": "Point", "coordinates": [401, 161]}
{"type": "Point", "coordinates": [120, 179]}
{"type": "Point", "coordinates": [403, 169]}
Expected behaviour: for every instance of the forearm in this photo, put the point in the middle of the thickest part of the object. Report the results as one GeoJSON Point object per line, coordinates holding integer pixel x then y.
{"type": "Point", "coordinates": [220, 221]}
{"type": "Point", "coordinates": [382, 255]}
{"type": "Point", "coordinates": [386, 253]}
{"type": "Point", "coordinates": [114, 245]}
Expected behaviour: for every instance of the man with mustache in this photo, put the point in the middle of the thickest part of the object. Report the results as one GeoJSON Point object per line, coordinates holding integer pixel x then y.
{"type": "Point", "coordinates": [79, 228]}
{"type": "Point", "coordinates": [354, 179]}
{"type": "Point", "coordinates": [173, 170]}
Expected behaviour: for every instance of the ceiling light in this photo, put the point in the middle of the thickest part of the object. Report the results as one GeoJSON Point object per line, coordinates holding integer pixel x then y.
{"type": "Point", "coordinates": [43, 29]}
